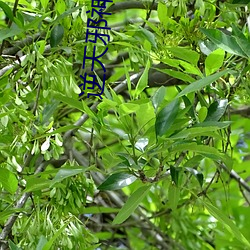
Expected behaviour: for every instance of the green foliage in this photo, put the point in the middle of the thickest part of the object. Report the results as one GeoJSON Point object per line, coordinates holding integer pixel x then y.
{"type": "Point", "coordinates": [161, 162]}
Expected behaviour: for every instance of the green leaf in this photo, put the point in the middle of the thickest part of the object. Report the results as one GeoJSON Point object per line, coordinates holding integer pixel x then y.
{"type": "Point", "coordinates": [177, 74]}
{"type": "Point", "coordinates": [186, 54]}
{"type": "Point", "coordinates": [7, 10]}
{"type": "Point", "coordinates": [214, 61]}
{"type": "Point", "coordinates": [44, 3]}
{"type": "Point", "coordinates": [6, 33]}
{"type": "Point", "coordinates": [67, 12]}
{"type": "Point", "coordinates": [9, 211]}
{"type": "Point", "coordinates": [117, 181]}
{"type": "Point", "coordinates": [158, 97]}
{"type": "Point", "coordinates": [193, 132]}
{"type": "Point", "coordinates": [13, 246]}
{"type": "Point", "coordinates": [223, 41]}
{"type": "Point", "coordinates": [49, 244]}
{"type": "Point", "coordinates": [132, 203]}
{"type": "Point", "coordinates": [197, 85]}
{"type": "Point", "coordinates": [147, 35]}
{"type": "Point", "coordinates": [227, 223]}
{"type": "Point", "coordinates": [34, 184]}
{"type": "Point", "coordinates": [174, 172]}
{"type": "Point", "coordinates": [216, 110]}
{"type": "Point", "coordinates": [173, 196]}
{"type": "Point", "coordinates": [128, 108]}
{"type": "Point", "coordinates": [64, 173]}
{"type": "Point", "coordinates": [56, 35]}
{"type": "Point", "coordinates": [143, 81]}
{"type": "Point", "coordinates": [244, 45]}
{"type": "Point", "coordinates": [8, 180]}
{"type": "Point", "coordinates": [202, 114]}
{"type": "Point", "coordinates": [49, 110]}
{"type": "Point", "coordinates": [162, 12]}
{"type": "Point", "coordinates": [219, 125]}
{"type": "Point", "coordinates": [98, 210]}
{"type": "Point", "coordinates": [41, 243]}
{"type": "Point", "coordinates": [166, 117]}
{"type": "Point", "coordinates": [198, 175]}
{"type": "Point", "coordinates": [70, 101]}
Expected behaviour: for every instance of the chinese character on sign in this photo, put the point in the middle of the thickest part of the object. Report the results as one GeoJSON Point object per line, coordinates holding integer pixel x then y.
{"type": "Point", "coordinates": [93, 37]}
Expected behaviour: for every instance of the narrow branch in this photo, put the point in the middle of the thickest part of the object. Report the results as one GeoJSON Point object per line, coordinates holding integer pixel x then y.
{"type": "Point", "coordinates": [236, 177]}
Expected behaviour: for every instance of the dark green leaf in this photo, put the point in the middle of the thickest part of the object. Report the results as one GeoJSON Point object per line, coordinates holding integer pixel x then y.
{"type": "Point", "coordinates": [216, 110]}
{"type": "Point", "coordinates": [166, 117]}
{"type": "Point", "coordinates": [56, 35]}
{"type": "Point", "coordinates": [174, 172]}
{"type": "Point", "coordinates": [117, 181]}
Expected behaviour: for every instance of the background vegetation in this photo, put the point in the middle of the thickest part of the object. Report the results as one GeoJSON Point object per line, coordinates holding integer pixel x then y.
{"type": "Point", "coordinates": [161, 162]}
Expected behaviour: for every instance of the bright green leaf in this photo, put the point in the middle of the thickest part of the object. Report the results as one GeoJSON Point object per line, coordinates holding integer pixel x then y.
{"type": "Point", "coordinates": [214, 61]}
{"type": "Point", "coordinates": [8, 180]}
{"type": "Point", "coordinates": [162, 12]}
